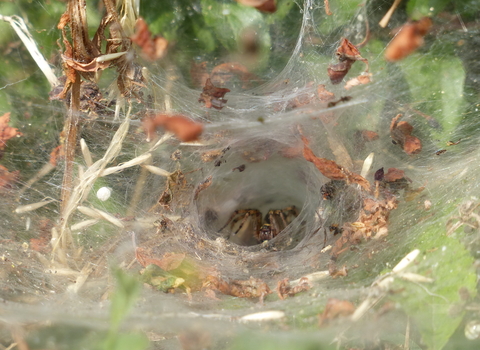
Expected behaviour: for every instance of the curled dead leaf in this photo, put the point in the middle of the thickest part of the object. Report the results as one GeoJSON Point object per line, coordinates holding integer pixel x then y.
{"type": "Point", "coordinates": [327, 8]}
{"type": "Point", "coordinates": [336, 72]}
{"type": "Point", "coordinates": [251, 288]}
{"type": "Point", "coordinates": [92, 66]}
{"type": "Point", "coordinates": [368, 135]}
{"type": "Point", "coordinates": [408, 39]}
{"type": "Point", "coordinates": [336, 272]}
{"type": "Point", "coordinates": [198, 73]}
{"type": "Point", "coordinates": [169, 261]}
{"type": "Point", "coordinates": [348, 51]}
{"type": "Point", "coordinates": [347, 54]}
{"type": "Point", "coordinates": [332, 170]}
{"type": "Point", "coordinates": [284, 289]}
{"type": "Point", "coordinates": [261, 5]}
{"type": "Point", "coordinates": [184, 128]}
{"type": "Point", "coordinates": [57, 154]}
{"type": "Point", "coordinates": [41, 244]}
{"type": "Point", "coordinates": [393, 174]}
{"type": "Point", "coordinates": [212, 96]}
{"type": "Point", "coordinates": [362, 79]}
{"type": "Point", "coordinates": [324, 95]}
{"type": "Point", "coordinates": [225, 72]}
{"type": "Point", "coordinates": [7, 178]}
{"type": "Point", "coordinates": [401, 132]}
{"type": "Point", "coordinates": [6, 131]}
{"type": "Point", "coordinates": [153, 47]}
{"type": "Point", "coordinates": [335, 308]}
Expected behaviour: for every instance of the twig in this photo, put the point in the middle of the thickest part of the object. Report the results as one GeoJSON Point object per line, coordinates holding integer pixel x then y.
{"type": "Point", "coordinates": [383, 23]}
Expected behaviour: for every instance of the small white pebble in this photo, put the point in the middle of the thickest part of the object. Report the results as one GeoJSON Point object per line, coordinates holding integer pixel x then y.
{"type": "Point", "coordinates": [104, 193]}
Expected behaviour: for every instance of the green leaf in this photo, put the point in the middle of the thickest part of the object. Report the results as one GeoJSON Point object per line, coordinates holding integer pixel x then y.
{"type": "Point", "coordinates": [417, 9]}
{"type": "Point", "coordinates": [437, 85]}
{"type": "Point", "coordinates": [229, 20]}
{"type": "Point", "coordinates": [123, 297]}
{"type": "Point", "coordinates": [131, 341]}
{"type": "Point", "coordinates": [436, 308]}
{"type": "Point", "coordinates": [342, 13]}
{"type": "Point", "coordinates": [160, 279]}
{"type": "Point", "coordinates": [282, 341]}
{"type": "Point", "coordinates": [205, 37]}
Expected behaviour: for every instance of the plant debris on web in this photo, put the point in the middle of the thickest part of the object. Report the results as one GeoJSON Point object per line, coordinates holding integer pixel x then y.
{"type": "Point", "coordinates": [347, 54]}
{"type": "Point", "coordinates": [401, 133]}
{"type": "Point", "coordinates": [184, 128]}
{"type": "Point", "coordinates": [212, 96]}
{"type": "Point", "coordinates": [332, 170]}
{"type": "Point", "coordinates": [153, 48]}
{"type": "Point", "coordinates": [6, 131]}
{"type": "Point", "coordinates": [408, 38]}
{"type": "Point", "coordinates": [284, 289]}
{"type": "Point", "coordinates": [261, 5]}
{"type": "Point", "coordinates": [251, 288]}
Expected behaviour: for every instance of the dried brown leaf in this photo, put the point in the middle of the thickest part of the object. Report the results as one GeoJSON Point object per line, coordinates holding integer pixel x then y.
{"type": "Point", "coordinates": [195, 339]}
{"type": "Point", "coordinates": [332, 170]}
{"type": "Point", "coordinates": [185, 129]}
{"type": "Point", "coordinates": [7, 178]}
{"type": "Point", "coordinates": [408, 39]}
{"type": "Point", "coordinates": [335, 308]}
{"type": "Point", "coordinates": [91, 66]}
{"type": "Point", "coordinates": [210, 156]}
{"type": "Point", "coordinates": [324, 95]}
{"type": "Point", "coordinates": [327, 167]}
{"type": "Point", "coordinates": [347, 54]}
{"type": "Point", "coordinates": [336, 72]}
{"type": "Point", "coordinates": [153, 47]}
{"type": "Point", "coordinates": [327, 8]}
{"type": "Point", "coordinates": [348, 51]}
{"type": "Point", "coordinates": [400, 132]}
{"type": "Point", "coordinates": [6, 131]}
{"type": "Point", "coordinates": [261, 5]}
{"type": "Point", "coordinates": [393, 174]}
{"type": "Point", "coordinates": [300, 100]}
{"type": "Point", "coordinates": [170, 261]}
{"type": "Point", "coordinates": [284, 289]}
{"type": "Point", "coordinates": [362, 79]}
{"type": "Point", "coordinates": [212, 96]}
{"type": "Point", "coordinates": [223, 73]}
{"type": "Point", "coordinates": [251, 288]}
{"type": "Point", "coordinates": [369, 135]}
{"type": "Point", "coordinates": [339, 272]}
{"type": "Point", "coordinates": [198, 73]}
{"type": "Point", "coordinates": [42, 243]}
{"type": "Point", "coordinates": [57, 154]}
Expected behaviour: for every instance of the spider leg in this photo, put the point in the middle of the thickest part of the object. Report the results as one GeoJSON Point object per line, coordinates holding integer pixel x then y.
{"type": "Point", "coordinates": [275, 230]}
{"type": "Point", "coordinates": [229, 220]}
{"type": "Point", "coordinates": [244, 219]}
{"type": "Point", "coordinates": [235, 217]}
{"type": "Point", "coordinates": [257, 225]}
{"type": "Point", "coordinates": [282, 216]}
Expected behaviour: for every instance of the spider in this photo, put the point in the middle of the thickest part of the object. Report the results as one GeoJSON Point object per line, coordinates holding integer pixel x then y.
{"type": "Point", "coordinates": [274, 222]}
